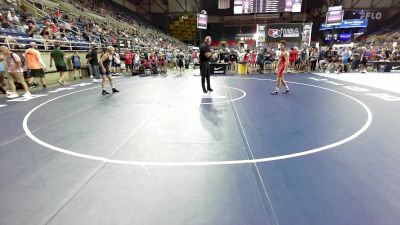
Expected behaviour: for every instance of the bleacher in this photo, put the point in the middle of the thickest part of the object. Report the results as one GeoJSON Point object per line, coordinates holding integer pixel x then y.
{"type": "Point", "coordinates": [385, 34]}
{"type": "Point", "coordinates": [76, 38]}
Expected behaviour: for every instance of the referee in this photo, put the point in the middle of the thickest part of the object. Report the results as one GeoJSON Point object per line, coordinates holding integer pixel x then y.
{"type": "Point", "coordinates": [205, 54]}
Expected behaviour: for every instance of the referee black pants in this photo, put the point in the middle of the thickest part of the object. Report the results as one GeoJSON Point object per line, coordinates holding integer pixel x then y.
{"type": "Point", "coordinates": [205, 75]}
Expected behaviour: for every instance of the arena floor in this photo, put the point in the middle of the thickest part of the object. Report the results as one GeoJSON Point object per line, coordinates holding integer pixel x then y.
{"type": "Point", "coordinates": [162, 153]}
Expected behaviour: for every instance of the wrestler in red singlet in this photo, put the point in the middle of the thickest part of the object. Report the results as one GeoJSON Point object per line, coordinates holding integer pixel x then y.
{"type": "Point", "coordinates": [282, 65]}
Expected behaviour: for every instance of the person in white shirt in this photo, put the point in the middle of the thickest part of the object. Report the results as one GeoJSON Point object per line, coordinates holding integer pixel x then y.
{"type": "Point", "coordinates": [116, 63]}
{"type": "Point", "coordinates": [12, 17]}
{"type": "Point", "coordinates": [15, 72]}
{"type": "Point", "coordinates": [136, 60]}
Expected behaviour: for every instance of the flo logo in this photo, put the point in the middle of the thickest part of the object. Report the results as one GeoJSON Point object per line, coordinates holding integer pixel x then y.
{"type": "Point", "coordinates": [284, 33]}
{"type": "Point", "coordinates": [275, 33]}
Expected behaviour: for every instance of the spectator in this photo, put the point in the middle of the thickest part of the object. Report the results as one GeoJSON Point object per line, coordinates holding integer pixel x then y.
{"type": "Point", "coordinates": [93, 60]}
{"type": "Point", "coordinates": [180, 56]}
{"type": "Point", "coordinates": [45, 33]}
{"type": "Point", "coordinates": [116, 63]}
{"type": "Point", "coordinates": [246, 59]}
{"type": "Point", "coordinates": [356, 59]}
{"type": "Point", "coordinates": [161, 63]}
{"type": "Point", "coordinates": [382, 57]}
{"type": "Point", "coordinates": [304, 57]}
{"type": "Point", "coordinates": [313, 58]}
{"type": "Point", "coordinates": [345, 56]}
{"type": "Point", "coordinates": [374, 53]}
{"type": "Point", "coordinates": [253, 59]}
{"type": "Point", "coordinates": [233, 59]}
{"type": "Point", "coordinates": [329, 55]}
{"type": "Point", "coordinates": [128, 59]}
{"type": "Point", "coordinates": [37, 35]}
{"type": "Point", "coordinates": [293, 54]}
{"type": "Point", "coordinates": [59, 60]}
{"type": "Point", "coordinates": [144, 63]}
{"type": "Point", "coordinates": [261, 60]}
{"type": "Point", "coordinates": [366, 55]}
{"type": "Point", "coordinates": [54, 29]}
{"type": "Point", "coordinates": [136, 60]}
{"type": "Point", "coordinates": [21, 28]}
{"type": "Point", "coordinates": [213, 59]}
{"type": "Point", "coordinates": [4, 22]}
{"type": "Point", "coordinates": [88, 64]}
{"type": "Point", "coordinates": [12, 17]}
{"type": "Point", "coordinates": [2, 76]}
{"type": "Point", "coordinates": [396, 54]}
{"type": "Point", "coordinates": [15, 73]}
{"type": "Point", "coordinates": [321, 55]}
{"type": "Point", "coordinates": [196, 57]}
{"type": "Point", "coordinates": [387, 53]}
{"type": "Point", "coordinates": [35, 64]}
{"type": "Point", "coordinates": [186, 59]}
{"type": "Point", "coordinates": [169, 57]}
{"type": "Point", "coordinates": [76, 65]}
{"type": "Point", "coordinates": [31, 29]}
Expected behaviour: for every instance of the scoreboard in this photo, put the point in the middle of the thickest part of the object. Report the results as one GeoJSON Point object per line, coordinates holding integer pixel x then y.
{"type": "Point", "coordinates": [266, 6]}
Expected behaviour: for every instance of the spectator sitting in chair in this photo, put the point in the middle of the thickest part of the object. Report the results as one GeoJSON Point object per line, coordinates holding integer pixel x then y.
{"type": "Point", "coordinates": [4, 22]}
{"type": "Point", "coordinates": [214, 58]}
{"type": "Point", "coordinates": [36, 35]}
{"type": "Point", "coordinates": [145, 63]}
{"type": "Point", "coordinates": [31, 29]}
{"type": "Point", "coordinates": [136, 60]}
{"type": "Point", "coordinates": [12, 18]}
{"type": "Point", "coordinates": [161, 62]}
{"type": "Point", "coordinates": [153, 63]}
{"type": "Point", "coordinates": [45, 33]}
{"type": "Point", "coordinates": [382, 57]}
{"type": "Point", "coordinates": [261, 60]}
{"type": "Point", "coordinates": [269, 57]}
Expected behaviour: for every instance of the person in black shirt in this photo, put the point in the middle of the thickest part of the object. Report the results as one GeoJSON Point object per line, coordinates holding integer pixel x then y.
{"type": "Point", "coordinates": [221, 56]}
{"type": "Point", "coordinates": [205, 54]}
{"type": "Point", "coordinates": [261, 58]}
{"type": "Point", "coordinates": [93, 60]}
{"type": "Point", "coordinates": [180, 56]}
{"type": "Point", "coordinates": [88, 64]}
{"type": "Point", "coordinates": [233, 58]}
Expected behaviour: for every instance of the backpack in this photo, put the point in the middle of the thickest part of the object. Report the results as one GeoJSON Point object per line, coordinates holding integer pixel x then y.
{"type": "Point", "coordinates": [21, 57]}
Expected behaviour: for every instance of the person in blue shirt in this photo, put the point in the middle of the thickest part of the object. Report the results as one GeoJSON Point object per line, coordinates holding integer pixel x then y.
{"type": "Point", "coordinates": [76, 64]}
{"type": "Point", "coordinates": [2, 76]}
{"type": "Point", "coordinates": [345, 56]}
